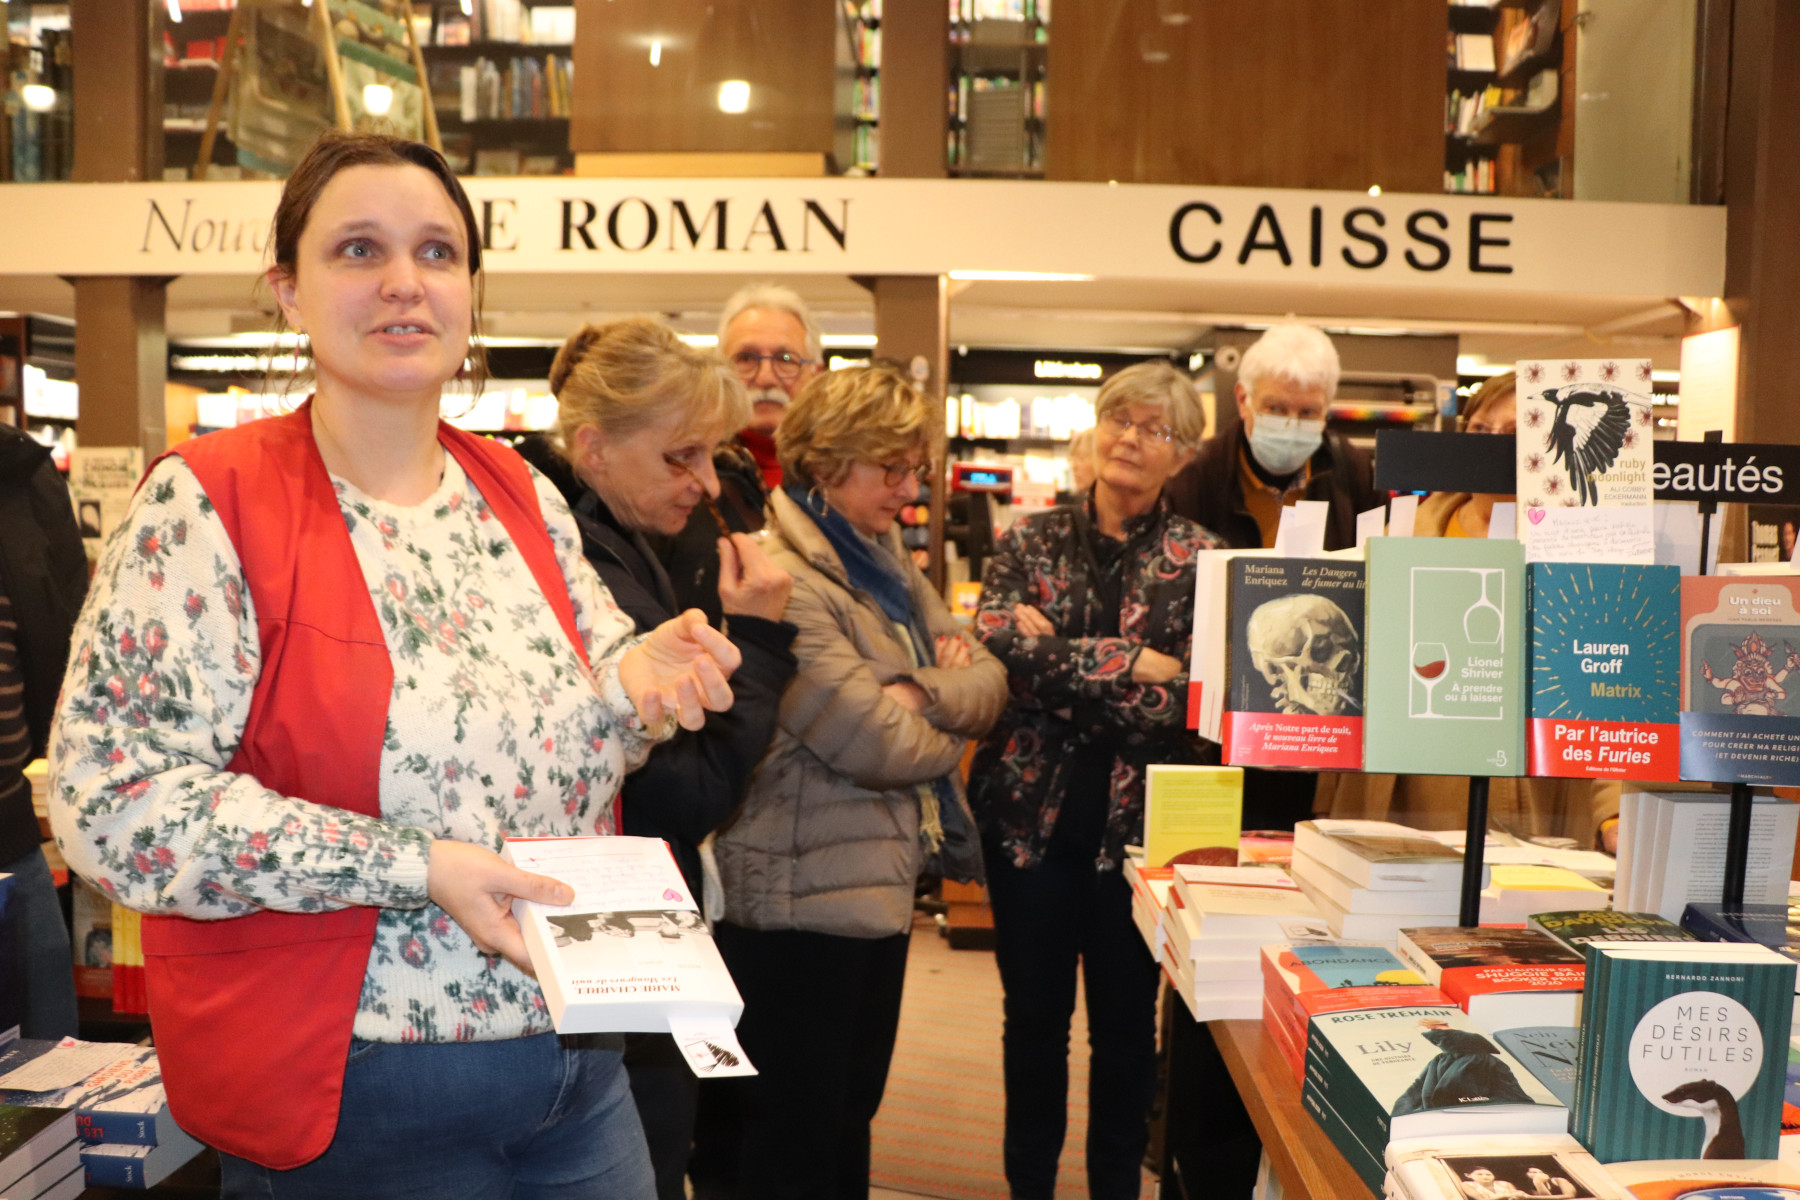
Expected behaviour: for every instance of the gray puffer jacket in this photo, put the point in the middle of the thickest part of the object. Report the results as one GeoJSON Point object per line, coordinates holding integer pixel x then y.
{"type": "Point", "coordinates": [828, 836]}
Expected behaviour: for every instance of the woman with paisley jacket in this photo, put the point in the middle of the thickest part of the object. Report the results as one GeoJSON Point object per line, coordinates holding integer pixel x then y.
{"type": "Point", "coordinates": [1090, 608]}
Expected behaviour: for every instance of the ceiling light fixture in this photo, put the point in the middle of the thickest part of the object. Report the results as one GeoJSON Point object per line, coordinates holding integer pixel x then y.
{"type": "Point", "coordinates": [734, 96]}
{"type": "Point", "coordinates": [378, 98]}
{"type": "Point", "coordinates": [656, 54]}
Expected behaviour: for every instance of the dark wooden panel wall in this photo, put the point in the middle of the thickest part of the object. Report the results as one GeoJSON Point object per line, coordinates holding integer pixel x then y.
{"type": "Point", "coordinates": [1276, 93]}
{"type": "Point", "coordinates": [621, 103]}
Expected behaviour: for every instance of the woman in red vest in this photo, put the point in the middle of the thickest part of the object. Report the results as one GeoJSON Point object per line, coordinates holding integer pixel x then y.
{"type": "Point", "coordinates": [329, 662]}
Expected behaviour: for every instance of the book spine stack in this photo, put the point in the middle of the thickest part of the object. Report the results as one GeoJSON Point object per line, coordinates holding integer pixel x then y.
{"type": "Point", "coordinates": [129, 994]}
{"type": "Point", "coordinates": [128, 1138]}
{"type": "Point", "coordinates": [1149, 892]}
{"type": "Point", "coordinates": [1346, 1110]}
{"type": "Point", "coordinates": [1378, 911]}
{"type": "Point", "coordinates": [1288, 1012]}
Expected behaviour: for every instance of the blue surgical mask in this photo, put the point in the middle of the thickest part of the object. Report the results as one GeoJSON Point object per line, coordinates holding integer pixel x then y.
{"type": "Point", "coordinates": [1281, 445]}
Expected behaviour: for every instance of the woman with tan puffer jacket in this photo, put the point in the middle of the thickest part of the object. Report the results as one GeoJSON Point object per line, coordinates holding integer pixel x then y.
{"type": "Point", "coordinates": [859, 795]}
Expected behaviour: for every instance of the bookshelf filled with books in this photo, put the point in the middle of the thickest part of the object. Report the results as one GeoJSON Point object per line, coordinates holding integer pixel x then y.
{"type": "Point", "coordinates": [1503, 103]}
{"type": "Point", "coordinates": [37, 133]}
{"type": "Point", "coordinates": [999, 51]}
{"type": "Point", "coordinates": [501, 80]}
{"type": "Point", "coordinates": [857, 120]}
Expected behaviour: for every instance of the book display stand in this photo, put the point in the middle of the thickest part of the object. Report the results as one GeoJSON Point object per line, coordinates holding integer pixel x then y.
{"type": "Point", "coordinates": [1418, 461]}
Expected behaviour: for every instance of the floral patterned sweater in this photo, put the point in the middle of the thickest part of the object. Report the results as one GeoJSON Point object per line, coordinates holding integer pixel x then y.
{"type": "Point", "coordinates": [1070, 688]}
{"type": "Point", "coordinates": [494, 728]}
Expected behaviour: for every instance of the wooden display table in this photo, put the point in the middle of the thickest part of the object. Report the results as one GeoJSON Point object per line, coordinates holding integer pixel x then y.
{"type": "Point", "coordinates": [1308, 1165]}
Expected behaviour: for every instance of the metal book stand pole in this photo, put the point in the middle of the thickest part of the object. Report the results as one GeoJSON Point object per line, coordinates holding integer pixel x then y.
{"type": "Point", "coordinates": [1416, 461]}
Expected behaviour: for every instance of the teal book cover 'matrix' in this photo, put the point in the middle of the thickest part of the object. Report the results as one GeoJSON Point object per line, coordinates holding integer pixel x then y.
{"type": "Point", "coordinates": [1605, 681]}
{"type": "Point", "coordinates": [1446, 671]}
{"type": "Point", "coordinates": [1690, 1059]}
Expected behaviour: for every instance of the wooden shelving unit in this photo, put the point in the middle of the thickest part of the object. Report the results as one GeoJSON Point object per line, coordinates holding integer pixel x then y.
{"type": "Point", "coordinates": [1491, 114]}
{"type": "Point", "coordinates": [999, 57]}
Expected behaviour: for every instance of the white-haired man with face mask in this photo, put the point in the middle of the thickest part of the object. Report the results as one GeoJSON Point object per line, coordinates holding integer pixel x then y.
{"type": "Point", "coordinates": [1279, 451]}
{"type": "Point", "coordinates": [1236, 485]}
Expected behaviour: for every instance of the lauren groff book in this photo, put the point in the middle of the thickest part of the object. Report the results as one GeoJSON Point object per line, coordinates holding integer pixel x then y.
{"type": "Point", "coordinates": [633, 953]}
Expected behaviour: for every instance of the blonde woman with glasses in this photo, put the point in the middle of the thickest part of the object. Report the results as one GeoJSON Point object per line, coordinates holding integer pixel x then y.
{"type": "Point", "coordinates": [859, 795]}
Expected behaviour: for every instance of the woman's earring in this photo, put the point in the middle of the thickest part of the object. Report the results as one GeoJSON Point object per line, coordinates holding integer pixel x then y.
{"type": "Point", "coordinates": [816, 502]}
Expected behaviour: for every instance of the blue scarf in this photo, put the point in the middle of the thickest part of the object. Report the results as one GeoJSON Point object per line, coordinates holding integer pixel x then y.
{"type": "Point", "coordinates": [863, 565]}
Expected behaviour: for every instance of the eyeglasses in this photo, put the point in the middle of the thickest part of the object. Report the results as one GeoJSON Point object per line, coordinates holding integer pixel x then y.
{"type": "Point", "coordinates": [1120, 424]}
{"type": "Point", "coordinates": [689, 466]}
{"type": "Point", "coordinates": [785, 367]}
{"type": "Point", "coordinates": [892, 473]}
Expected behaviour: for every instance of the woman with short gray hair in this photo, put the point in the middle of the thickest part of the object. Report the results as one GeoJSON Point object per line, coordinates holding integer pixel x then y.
{"type": "Point", "coordinates": [1089, 606]}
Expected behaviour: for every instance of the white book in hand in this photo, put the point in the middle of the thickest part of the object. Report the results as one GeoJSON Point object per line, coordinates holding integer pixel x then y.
{"type": "Point", "coordinates": [632, 954]}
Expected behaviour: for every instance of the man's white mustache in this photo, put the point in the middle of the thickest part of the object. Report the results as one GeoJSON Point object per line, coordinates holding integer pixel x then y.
{"type": "Point", "coordinates": [768, 395]}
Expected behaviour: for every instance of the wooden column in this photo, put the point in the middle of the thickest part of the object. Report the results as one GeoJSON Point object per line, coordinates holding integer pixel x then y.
{"type": "Point", "coordinates": [121, 361]}
{"type": "Point", "coordinates": [121, 347]}
{"type": "Point", "coordinates": [915, 72]}
{"type": "Point", "coordinates": [912, 328]}
{"type": "Point", "coordinates": [1762, 194]}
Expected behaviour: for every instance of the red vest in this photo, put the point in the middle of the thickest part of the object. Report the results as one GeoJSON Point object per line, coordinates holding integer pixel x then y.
{"type": "Point", "coordinates": [253, 1015]}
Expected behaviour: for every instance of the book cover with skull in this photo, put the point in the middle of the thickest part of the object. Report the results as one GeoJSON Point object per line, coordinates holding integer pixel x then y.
{"type": "Point", "coordinates": [1740, 647]}
{"type": "Point", "coordinates": [1294, 674]}
{"type": "Point", "coordinates": [1605, 671]}
{"type": "Point", "coordinates": [1447, 652]}
{"type": "Point", "coordinates": [1585, 428]}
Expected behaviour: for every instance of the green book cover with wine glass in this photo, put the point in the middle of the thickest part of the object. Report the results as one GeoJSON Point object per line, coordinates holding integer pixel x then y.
{"type": "Point", "coordinates": [1447, 653]}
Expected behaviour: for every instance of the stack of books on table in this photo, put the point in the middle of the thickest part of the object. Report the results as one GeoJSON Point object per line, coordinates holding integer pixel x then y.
{"type": "Point", "coordinates": [112, 1097]}
{"type": "Point", "coordinates": [1509, 1165]}
{"type": "Point", "coordinates": [1302, 980]}
{"type": "Point", "coordinates": [1423, 1071]}
{"type": "Point", "coordinates": [1502, 978]}
{"type": "Point", "coordinates": [1683, 1051]}
{"type": "Point", "coordinates": [1217, 921]}
{"type": "Point", "coordinates": [40, 1156]}
{"type": "Point", "coordinates": [1518, 891]}
{"type": "Point", "coordinates": [1672, 849]}
{"type": "Point", "coordinates": [1371, 879]}
{"type": "Point", "coordinates": [1578, 927]}
{"type": "Point", "coordinates": [1149, 897]}
{"type": "Point", "coordinates": [1776, 926]}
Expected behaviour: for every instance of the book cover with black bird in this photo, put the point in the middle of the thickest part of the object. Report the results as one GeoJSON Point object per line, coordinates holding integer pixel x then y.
{"type": "Point", "coordinates": [1584, 434]}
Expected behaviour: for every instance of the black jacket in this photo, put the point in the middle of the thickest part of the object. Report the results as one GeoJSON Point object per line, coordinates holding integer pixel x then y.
{"type": "Point", "coordinates": [1210, 490]}
{"type": "Point", "coordinates": [693, 782]}
{"type": "Point", "coordinates": [43, 569]}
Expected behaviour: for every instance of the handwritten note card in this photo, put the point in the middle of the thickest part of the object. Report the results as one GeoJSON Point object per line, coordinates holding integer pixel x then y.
{"type": "Point", "coordinates": [1591, 535]}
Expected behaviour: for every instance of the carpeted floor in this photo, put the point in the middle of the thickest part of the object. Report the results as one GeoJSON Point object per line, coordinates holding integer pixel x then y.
{"type": "Point", "coordinates": [939, 1130]}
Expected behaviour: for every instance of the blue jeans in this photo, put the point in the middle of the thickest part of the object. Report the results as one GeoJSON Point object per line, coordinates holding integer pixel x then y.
{"type": "Point", "coordinates": [537, 1118]}
{"type": "Point", "coordinates": [41, 945]}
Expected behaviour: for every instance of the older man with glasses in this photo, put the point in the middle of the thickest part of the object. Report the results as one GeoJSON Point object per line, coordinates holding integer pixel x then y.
{"type": "Point", "coordinates": [772, 341]}
{"type": "Point", "coordinates": [767, 333]}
